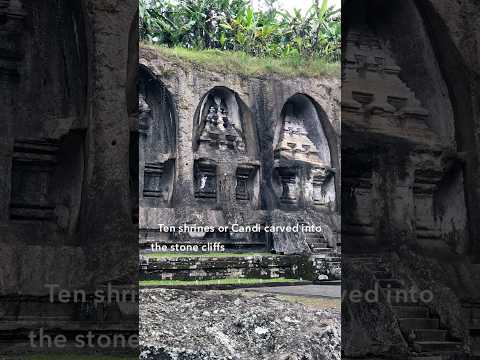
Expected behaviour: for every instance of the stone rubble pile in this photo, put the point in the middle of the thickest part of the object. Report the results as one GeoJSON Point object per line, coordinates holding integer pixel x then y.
{"type": "Point", "coordinates": [214, 325]}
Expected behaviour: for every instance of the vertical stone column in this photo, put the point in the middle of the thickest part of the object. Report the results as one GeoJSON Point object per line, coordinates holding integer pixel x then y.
{"type": "Point", "coordinates": [6, 146]}
{"type": "Point", "coordinates": [10, 60]}
{"type": "Point", "coordinates": [109, 130]}
{"type": "Point", "coordinates": [226, 177]}
{"type": "Point", "coordinates": [184, 181]}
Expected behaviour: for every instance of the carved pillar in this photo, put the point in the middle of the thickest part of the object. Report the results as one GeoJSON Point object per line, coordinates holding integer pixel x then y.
{"type": "Point", "coordinates": [205, 180]}
{"type": "Point", "coordinates": [424, 188]}
{"type": "Point", "coordinates": [32, 168]}
{"type": "Point", "coordinates": [11, 54]}
{"type": "Point", "coordinates": [11, 29]}
{"type": "Point", "coordinates": [109, 133]}
{"type": "Point", "coordinates": [320, 176]}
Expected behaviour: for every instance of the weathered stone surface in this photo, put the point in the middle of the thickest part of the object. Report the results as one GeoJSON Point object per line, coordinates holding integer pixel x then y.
{"type": "Point", "coordinates": [66, 202]}
{"type": "Point", "coordinates": [203, 268]}
{"type": "Point", "coordinates": [369, 326]}
{"type": "Point", "coordinates": [229, 145]}
{"type": "Point", "coordinates": [185, 325]}
{"type": "Point", "coordinates": [410, 159]}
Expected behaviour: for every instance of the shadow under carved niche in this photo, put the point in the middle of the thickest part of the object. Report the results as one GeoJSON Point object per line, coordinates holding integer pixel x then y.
{"type": "Point", "coordinates": [45, 97]}
{"type": "Point", "coordinates": [303, 173]}
{"type": "Point", "coordinates": [47, 177]}
{"type": "Point", "coordinates": [157, 142]}
{"type": "Point", "coordinates": [226, 167]}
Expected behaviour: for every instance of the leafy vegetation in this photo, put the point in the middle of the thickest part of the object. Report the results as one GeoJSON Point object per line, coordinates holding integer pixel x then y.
{"type": "Point", "coordinates": [228, 281]}
{"type": "Point", "coordinates": [234, 25]}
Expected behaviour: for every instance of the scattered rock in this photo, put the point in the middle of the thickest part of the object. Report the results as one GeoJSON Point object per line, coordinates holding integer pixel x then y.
{"type": "Point", "coordinates": [173, 325]}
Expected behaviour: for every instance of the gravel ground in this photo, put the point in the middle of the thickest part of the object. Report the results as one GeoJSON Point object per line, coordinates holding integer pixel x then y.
{"type": "Point", "coordinates": [213, 325]}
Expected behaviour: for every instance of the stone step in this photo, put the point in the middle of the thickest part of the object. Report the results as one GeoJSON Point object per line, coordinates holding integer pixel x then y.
{"type": "Point", "coordinates": [430, 335]}
{"type": "Point", "coordinates": [408, 324]}
{"type": "Point", "coordinates": [411, 311]}
{"type": "Point", "coordinates": [390, 284]}
{"type": "Point", "coordinates": [366, 259]}
{"type": "Point", "coordinates": [376, 267]}
{"type": "Point", "coordinates": [314, 235]}
{"type": "Point", "coordinates": [322, 250]}
{"type": "Point", "coordinates": [312, 242]}
{"type": "Point", "coordinates": [400, 297]}
{"type": "Point", "coordinates": [438, 346]}
{"type": "Point", "coordinates": [401, 300]}
{"type": "Point", "coordinates": [380, 275]}
{"type": "Point", "coordinates": [319, 245]}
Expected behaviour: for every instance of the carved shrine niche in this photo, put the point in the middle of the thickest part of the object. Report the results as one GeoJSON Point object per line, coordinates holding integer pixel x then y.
{"type": "Point", "coordinates": [157, 141]}
{"type": "Point", "coordinates": [47, 179]}
{"type": "Point", "coordinates": [304, 175]}
{"type": "Point", "coordinates": [219, 127]}
{"type": "Point", "coordinates": [294, 142]}
{"type": "Point", "coordinates": [374, 95]}
{"type": "Point", "coordinates": [205, 178]}
{"type": "Point", "coordinates": [290, 185]}
{"type": "Point", "coordinates": [245, 183]}
{"type": "Point", "coordinates": [380, 107]}
{"type": "Point", "coordinates": [321, 176]}
{"type": "Point", "coordinates": [156, 184]}
{"type": "Point", "coordinates": [33, 164]}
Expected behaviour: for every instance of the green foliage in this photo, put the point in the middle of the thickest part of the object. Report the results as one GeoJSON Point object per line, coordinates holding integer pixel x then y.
{"type": "Point", "coordinates": [235, 26]}
{"type": "Point", "coordinates": [238, 62]}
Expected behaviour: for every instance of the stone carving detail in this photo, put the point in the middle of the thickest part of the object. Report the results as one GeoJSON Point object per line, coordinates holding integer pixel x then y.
{"type": "Point", "coordinates": [294, 143]}
{"type": "Point", "coordinates": [320, 177]}
{"type": "Point", "coordinates": [32, 167]}
{"type": "Point", "coordinates": [11, 26]}
{"type": "Point", "coordinates": [424, 187]}
{"type": "Point", "coordinates": [153, 181]}
{"type": "Point", "coordinates": [372, 84]}
{"type": "Point", "coordinates": [144, 114]}
{"type": "Point", "coordinates": [205, 179]}
{"type": "Point", "coordinates": [243, 187]}
{"type": "Point", "coordinates": [220, 131]}
{"type": "Point", "coordinates": [303, 167]}
{"type": "Point", "coordinates": [157, 142]}
{"type": "Point", "coordinates": [288, 179]}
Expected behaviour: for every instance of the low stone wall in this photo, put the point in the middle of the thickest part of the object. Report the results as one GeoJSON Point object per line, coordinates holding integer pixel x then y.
{"type": "Point", "coordinates": [326, 267]}
{"type": "Point", "coordinates": [321, 267]}
{"type": "Point", "coordinates": [317, 267]}
{"type": "Point", "coordinates": [206, 268]}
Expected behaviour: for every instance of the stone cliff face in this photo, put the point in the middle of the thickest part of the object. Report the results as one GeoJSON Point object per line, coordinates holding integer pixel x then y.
{"type": "Point", "coordinates": [66, 208]}
{"type": "Point", "coordinates": [410, 164]}
{"type": "Point", "coordinates": [234, 149]}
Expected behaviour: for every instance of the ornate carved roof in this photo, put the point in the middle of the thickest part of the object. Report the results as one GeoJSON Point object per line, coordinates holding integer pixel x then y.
{"type": "Point", "coordinates": [374, 97]}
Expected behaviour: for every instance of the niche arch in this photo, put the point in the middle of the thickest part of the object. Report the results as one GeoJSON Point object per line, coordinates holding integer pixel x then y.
{"type": "Point", "coordinates": [157, 127]}
{"type": "Point", "coordinates": [221, 98]}
{"type": "Point", "coordinates": [226, 150]}
{"type": "Point", "coordinates": [305, 156]}
{"type": "Point", "coordinates": [419, 43]}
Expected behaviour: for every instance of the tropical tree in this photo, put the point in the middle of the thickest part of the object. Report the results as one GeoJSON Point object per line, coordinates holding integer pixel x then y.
{"type": "Point", "coordinates": [235, 25]}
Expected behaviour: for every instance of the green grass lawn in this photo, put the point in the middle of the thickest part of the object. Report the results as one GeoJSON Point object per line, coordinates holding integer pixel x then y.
{"type": "Point", "coordinates": [228, 281]}
{"type": "Point", "coordinates": [78, 357]}
{"type": "Point", "coordinates": [156, 255]}
{"type": "Point", "coordinates": [244, 64]}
